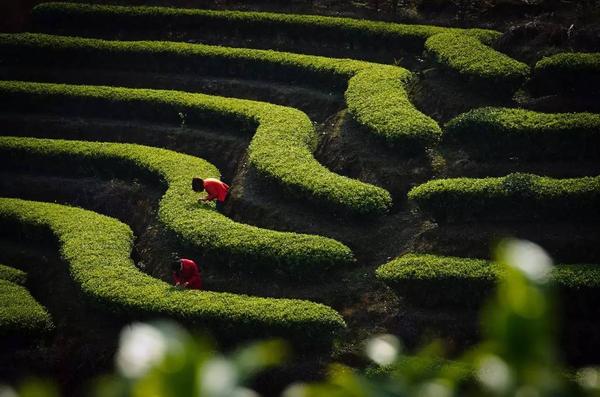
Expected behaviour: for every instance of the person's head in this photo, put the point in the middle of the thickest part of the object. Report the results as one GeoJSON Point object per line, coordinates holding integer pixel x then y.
{"type": "Point", "coordinates": [176, 265]}
{"type": "Point", "coordinates": [197, 184]}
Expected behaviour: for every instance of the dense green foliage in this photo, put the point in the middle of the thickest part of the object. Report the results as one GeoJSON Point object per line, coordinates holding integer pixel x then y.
{"type": "Point", "coordinates": [97, 249]}
{"type": "Point", "coordinates": [95, 19]}
{"type": "Point", "coordinates": [19, 312]}
{"type": "Point", "coordinates": [568, 73]}
{"type": "Point", "coordinates": [501, 132]}
{"type": "Point", "coordinates": [378, 100]}
{"type": "Point", "coordinates": [430, 280]}
{"type": "Point", "coordinates": [376, 94]}
{"type": "Point", "coordinates": [515, 196]}
{"type": "Point", "coordinates": [13, 275]}
{"type": "Point", "coordinates": [484, 63]}
{"type": "Point", "coordinates": [281, 149]}
{"type": "Point", "coordinates": [477, 62]}
{"type": "Point", "coordinates": [197, 225]}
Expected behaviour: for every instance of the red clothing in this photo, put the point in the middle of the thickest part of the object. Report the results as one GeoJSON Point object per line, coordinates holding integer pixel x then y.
{"type": "Point", "coordinates": [215, 189]}
{"type": "Point", "coordinates": [189, 274]}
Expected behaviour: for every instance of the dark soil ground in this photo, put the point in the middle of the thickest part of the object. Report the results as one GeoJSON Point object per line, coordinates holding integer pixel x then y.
{"type": "Point", "coordinates": [367, 305]}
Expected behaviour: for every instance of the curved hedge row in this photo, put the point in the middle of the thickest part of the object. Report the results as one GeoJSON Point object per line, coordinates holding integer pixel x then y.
{"type": "Point", "coordinates": [281, 149]}
{"type": "Point", "coordinates": [431, 280]}
{"type": "Point", "coordinates": [515, 196]}
{"type": "Point", "coordinates": [476, 62]}
{"type": "Point", "coordinates": [376, 94]}
{"type": "Point", "coordinates": [90, 19]}
{"type": "Point", "coordinates": [13, 275]}
{"type": "Point", "coordinates": [20, 313]}
{"type": "Point", "coordinates": [97, 250]}
{"type": "Point", "coordinates": [577, 72]}
{"type": "Point", "coordinates": [174, 23]}
{"type": "Point", "coordinates": [502, 132]}
{"type": "Point", "coordinates": [198, 225]}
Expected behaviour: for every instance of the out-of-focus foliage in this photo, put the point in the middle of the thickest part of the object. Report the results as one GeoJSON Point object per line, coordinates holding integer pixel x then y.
{"type": "Point", "coordinates": [517, 356]}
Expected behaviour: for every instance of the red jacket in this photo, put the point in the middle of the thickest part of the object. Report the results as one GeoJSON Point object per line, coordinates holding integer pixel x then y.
{"type": "Point", "coordinates": [189, 274]}
{"type": "Point", "coordinates": [215, 189]}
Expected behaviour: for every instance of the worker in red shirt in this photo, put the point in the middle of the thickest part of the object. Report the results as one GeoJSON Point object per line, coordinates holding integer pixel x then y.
{"type": "Point", "coordinates": [186, 274]}
{"type": "Point", "coordinates": [216, 190]}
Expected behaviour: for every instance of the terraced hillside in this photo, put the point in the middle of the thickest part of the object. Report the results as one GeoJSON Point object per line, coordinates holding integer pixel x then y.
{"type": "Point", "coordinates": [372, 165]}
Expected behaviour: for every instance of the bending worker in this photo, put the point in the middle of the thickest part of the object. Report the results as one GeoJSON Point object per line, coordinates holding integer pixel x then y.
{"type": "Point", "coordinates": [186, 274]}
{"type": "Point", "coordinates": [216, 190]}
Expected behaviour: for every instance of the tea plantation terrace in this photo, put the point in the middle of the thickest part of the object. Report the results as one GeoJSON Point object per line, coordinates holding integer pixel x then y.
{"type": "Point", "coordinates": [97, 250]}
{"type": "Point", "coordinates": [503, 133]}
{"type": "Point", "coordinates": [516, 197]}
{"type": "Point", "coordinates": [281, 150]}
{"type": "Point", "coordinates": [20, 313]}
{"type": "Point", "coordinates": [211, 25]}
{"type": "Point", "coordinates": [198, 226]}
{"type": "Point", "coordinates": [568, 73]}
{"type": "Point", "coordinates": [441, 281]}
{"type": "Point", "coordinates": [375, 94]}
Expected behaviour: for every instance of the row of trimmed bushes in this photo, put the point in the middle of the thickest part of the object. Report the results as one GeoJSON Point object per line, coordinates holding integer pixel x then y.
{"type": "Point", "coordinates": [13, 275]}
{"type": "Point", "coordinates": [574, 73]}
{"type": "Point", "coordinates": [20, 313]}
{"type": "Point", "coordinates": [376, 94]}
{"type": "Point", "coordinates": [281, 149]}
{"type": "Point", "coordinates": [198, 225]}
{"type": "Point", "coordinates": [97, 250]}
{"type": "Point", "coordinates": [515, 196]}
{"type": "Point", "coordinates": [184, 24]}
{"type": "Point", "coordinates": [436, 281]}
{"type": "Point", "coordinates": [503, 132]}
{"type": "Point", "coordinates": [176, 24]}
{"type": "Point", "coordinates": [476, 62]}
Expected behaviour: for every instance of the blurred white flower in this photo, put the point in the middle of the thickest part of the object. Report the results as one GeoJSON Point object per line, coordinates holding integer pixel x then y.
{"type": "Point", "coordinates": [530, 258]}
{"type": "Point", "coordinates": [383, 349]}
{"type": "Point", "coordinates": [494, 374]}
{"type": "Point", "coordinates": [589, 378]}
{"type": "Point", "coordinates": [434, 389]}
{"type": "Point", "coordinates": [294, 390]}
{"type": "Point", "coordinates": [141, 346]}
{"type": "Point", "coordinates": [6, 391]}
{"type": "Point", "coordinates": [218, 378]}
{"type": "Point", "coordinates": [244, 392]}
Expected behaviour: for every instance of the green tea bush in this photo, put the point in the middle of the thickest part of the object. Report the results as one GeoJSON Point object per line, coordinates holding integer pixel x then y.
{"type": "Point", "coordinates": [433, 281]}
{"type": "Point", "coordinates": [13, 275]}
{"type": "Point", "coordinates": [515, 196]}
{"type": "Point", "coordinates": [376, 94]}
{"type": "Point", "coordinates": [180, 23]}
{"type": "Point", "coordinates": [281, 149]}
{"type": "Point", "coordinates": [577, 73]}
{"type": "Point", "coordinates": [97, 250]}
{"type": "Point", "coordinates": [476, 62]}
{"type": "Point", "coordinates": [177, 23]}
{"type": "Point", "coordinates": [197, 225]}
{"type": "Point", "coordinates": [501, 133]}
{"type": "Point", "coordinates": [20, 313]}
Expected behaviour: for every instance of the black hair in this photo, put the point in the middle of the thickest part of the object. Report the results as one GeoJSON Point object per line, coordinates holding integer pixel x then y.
{"type": "Point", "coordinates": [176, 265]}
{"type": "Point", "coordinates": [197, 184]}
